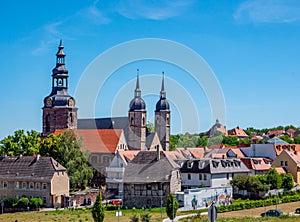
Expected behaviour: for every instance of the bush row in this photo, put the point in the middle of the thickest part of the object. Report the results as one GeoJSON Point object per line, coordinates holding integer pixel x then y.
{"type": "Point", "coordinates": [258, 203]}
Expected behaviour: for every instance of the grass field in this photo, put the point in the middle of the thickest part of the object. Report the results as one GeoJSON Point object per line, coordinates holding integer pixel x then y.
{"type": "Point", "coordinates": [249, 215]}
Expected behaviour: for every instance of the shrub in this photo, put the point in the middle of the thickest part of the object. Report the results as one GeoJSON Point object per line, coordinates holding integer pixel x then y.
{"type": "Point", "coordinates": [134, 218]}
{"type": "Point", "coordinates": [145, 217]}
{"type": "Point", "coordinates": [10, 202]}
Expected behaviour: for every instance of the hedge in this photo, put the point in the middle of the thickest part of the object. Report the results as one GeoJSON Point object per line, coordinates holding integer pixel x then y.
{"type": "Point", "coordinates": [258, 203]}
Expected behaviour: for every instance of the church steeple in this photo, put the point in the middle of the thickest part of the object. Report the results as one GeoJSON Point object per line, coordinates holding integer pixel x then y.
{"type": "Point", "coordinates": [137, 91]}
{"type": "Point", "coordinates": [162, 117]}
{"type": "Point", "coordinates": [59, 111]}
{"type": "Point", "coordinates": [162, 91]}
{"type": "Point", "coordinates": [60, 73]}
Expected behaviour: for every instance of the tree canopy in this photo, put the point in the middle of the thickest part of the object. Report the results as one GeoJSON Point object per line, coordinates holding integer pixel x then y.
{"type": "Point", "coordinates": [172, 206]}
{"type": "Point", "coordinates": [65, 148]}
{"type": "Point", "coordinates": [20, 142]}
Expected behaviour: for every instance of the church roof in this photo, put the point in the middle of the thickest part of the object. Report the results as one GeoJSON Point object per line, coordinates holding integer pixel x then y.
{"type": "Point", "coordinates": [99, 140]}
{"type": "Point", "coordinates": [137, 104]}
{"type": "Point", "coordinates": [103, 123]}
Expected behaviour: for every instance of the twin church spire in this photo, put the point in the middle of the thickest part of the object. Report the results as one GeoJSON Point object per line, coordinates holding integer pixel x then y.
{"type": "Point", "coordinates": [137, 119]}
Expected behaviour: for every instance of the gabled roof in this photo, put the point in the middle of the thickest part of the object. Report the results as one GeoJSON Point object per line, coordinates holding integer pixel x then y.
{"type": "Point", "coordinates": [294, 156]}
{"type": "Point", "coordinates": [217, 127]}
{"type": "Point", "coordinates": [29, 167]}
{"type": "Point", "coordinates": [98, 140]}
{"type": "Point", "coordinates": [238, 152]}
{"type": "Point", "coordinates": [191, 152]}
{"type": "Point", "coordinates": [128, 155]}
{"type": "Point", "coordinates": [288, 147]}
{"type": "Point", "coordinates": [239, 132]}
{"type": "Point", "coordinates": [275, 132]}
{"type": "Point", "coordinates": [147, 168]}
{"type": "Point", "coordinates": [257, 163]}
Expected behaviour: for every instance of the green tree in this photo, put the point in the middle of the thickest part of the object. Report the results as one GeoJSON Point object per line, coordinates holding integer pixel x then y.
{"type": "Point", "coordinates": [230, 140]}
{"type": "Point", "coordinates": [202, 141]}
{"type": "Point", "coordinates": [287, 181]}
{"type": "Point", "coordinates": [150, 127]}
{"type": "Point", "coordinates": [239, 182]}
{"type": "Point", "coordinates": [173, 141]}
{"type": "Point", "coordinates": [287, 139]}
{"type": "Point", "coordinates": [172, 206]}
{"type": "Point", "coordinates": [98, 210]}
{"type": "Point", "coordinates": [254, 185]}
{"type": "Point", "coordinates": [23, 143]}
{"type": "Point", "coordinates": [297, 139]}
{"type": "Point", "coordinates": [274, 179]}
{"type": "Point", "coordinates": [65, 149]}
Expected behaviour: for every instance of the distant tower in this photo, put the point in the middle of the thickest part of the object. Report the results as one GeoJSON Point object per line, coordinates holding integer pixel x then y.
{"type": "Point", "coordinates": [137, 120]}
{"type": "Point", "coordinates": [162, 118]}
{"type": "Point", "coordinates": [59, 111]}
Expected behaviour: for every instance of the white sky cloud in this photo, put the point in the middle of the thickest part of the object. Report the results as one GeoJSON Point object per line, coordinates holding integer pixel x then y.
{"type": "Point", "coordinates": [154, 10]}
{"type": "Point", "coordinates": [268, 11]}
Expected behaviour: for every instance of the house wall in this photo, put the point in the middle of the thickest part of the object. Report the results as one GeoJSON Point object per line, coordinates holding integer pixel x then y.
{"type": "Point", "coordinates": [195, 180]}
{"type": "Point", "coordinates": [175, 183]}
{"type": "Point", "coordinates": [60, 186]}
{"type": "Point", "coordinates": [18, 188]}
{"type": "Point", "coordinates": [146, 195]}
{"type": "Point", "coordinates": [291, 165]}
{"type": "Point", "coordinates": [221, 180]}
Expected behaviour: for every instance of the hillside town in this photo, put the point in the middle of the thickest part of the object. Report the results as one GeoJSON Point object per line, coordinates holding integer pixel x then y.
{"type": "Point", "coordinates": [139, 167]}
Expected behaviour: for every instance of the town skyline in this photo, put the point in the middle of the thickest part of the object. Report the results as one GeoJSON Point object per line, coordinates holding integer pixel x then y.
{"type": "Point", "coordinates": [254, 56]}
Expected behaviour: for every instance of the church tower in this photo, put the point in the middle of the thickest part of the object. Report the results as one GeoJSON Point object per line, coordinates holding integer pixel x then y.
{"type": "Point", "coordinates": [59, 111]}
{"type": "Point", "coordinates": [137, 120]}
{"type": "Point", "coordinates": [162, 118]}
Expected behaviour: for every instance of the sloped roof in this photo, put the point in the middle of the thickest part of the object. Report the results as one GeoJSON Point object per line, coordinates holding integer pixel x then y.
{"type": "Point", "coordinates": [98, 140]}
{"type": "Point", "coordinates": [128, 155]}
{"type": "Point", "coordinates": [214, 166]}
{"type": "Point", "coordinates": [149, 139]}
{"type": "Point", "coordinates": [295, 157]}
{"type": "Point", "coordinates": [239, 132]}
{"type": "Point", "coordinates": [29, 167]}
{"type": "Point", "coordinates": [103, 123]}
{"type": "Point", "coordinates": [238, 152]}
{"type": "Point", "coordinates": [257, 163]}
{"type": "Point", "coordinates": [191, 152]}
{"type": "Point", "coordinates": [146, 168]}
{"type": "Point", "coordinates": [276, 140]}
{"type": "Point", "coordinates": [288, 147]}
{"type": "Point", "coordinates": [280, 170]}
{"type": "Point", "coordinates": [275, 132]}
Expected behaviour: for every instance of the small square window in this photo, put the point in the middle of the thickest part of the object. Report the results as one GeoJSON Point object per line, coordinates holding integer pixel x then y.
{"type": "Point", "coordinates": [31, 185]}
{"type": "Point", "coordinates": [24, 185]}
{"type": "Point", "coordinates": [44, 200]}
{"type": "Point", "coordinates": [5, 184]}
{"type": "Point", "coordinates": [205, 177]}
{"type": "Point", "coordinates": [17, 184]}
{"type": "Point", "coordinates": [37, 186]}
{"type": "Point", "coordinates": [44, 186]}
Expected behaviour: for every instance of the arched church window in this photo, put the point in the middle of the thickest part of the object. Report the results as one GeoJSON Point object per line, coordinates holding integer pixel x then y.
{"type": "Point", "coordinates": [48, 123]}
{"type": "Point", "coordinates": [60, 82]}
{"type": "Point", "coordinates": [144, 122]}
{"type": "Point", "coordinates": [168, 120]}
{"type": "Point", "coordinates": [131, 121]}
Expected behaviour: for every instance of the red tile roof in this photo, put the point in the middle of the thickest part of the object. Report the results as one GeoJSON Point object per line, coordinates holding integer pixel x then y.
{"type": "Point", "coordinates": [98, 140]}
{"type": "Point", "coordinates": [239, 132]}
{"type": "Point", "coordinates": [280, 170]}
{"type": "Point", "coordinates": [288, 147]}
{"type": "Point", "coordinates": [258, 163]}
{"type": "Point", "coordinates": [275, 132]}
{"type": "Point", "coordinates": [128, 155]}
{"type": "Point", "coordinates": [238, 152]}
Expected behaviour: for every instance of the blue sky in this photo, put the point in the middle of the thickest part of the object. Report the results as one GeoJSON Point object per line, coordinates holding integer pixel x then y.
{"type": "Point", "coordinates": [251, 46]}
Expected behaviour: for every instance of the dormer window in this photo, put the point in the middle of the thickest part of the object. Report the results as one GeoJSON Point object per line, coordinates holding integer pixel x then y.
{"type": "Point", "coordinates": [201, 164]}
{"type": "Point", "coordinates": [190, 164]}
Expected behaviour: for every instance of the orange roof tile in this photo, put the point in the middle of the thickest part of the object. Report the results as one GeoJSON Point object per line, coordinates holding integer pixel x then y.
{"type": "Point", "coordinates": [128, 155]}
{"type": "Point", "coordinates": [238, 152]}
{"type": "Point", "coordinates": [280, 170]}
{"type": "Point", "coordinates": [239, 132]}
{"type": "Point", "coordinates": [98, 140]}
{"type": "Point", "coordinates": [288, 147]}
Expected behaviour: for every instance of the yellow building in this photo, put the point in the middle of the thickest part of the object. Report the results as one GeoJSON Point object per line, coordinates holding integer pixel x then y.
{"type": "Point", "coordinates": [290, 161]}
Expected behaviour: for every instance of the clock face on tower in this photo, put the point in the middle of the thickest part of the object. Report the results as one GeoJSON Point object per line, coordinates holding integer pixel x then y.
{"type": "Point", "coordinates": [71, 102]}
{"type": "Point", "coordinates": [49, 102]}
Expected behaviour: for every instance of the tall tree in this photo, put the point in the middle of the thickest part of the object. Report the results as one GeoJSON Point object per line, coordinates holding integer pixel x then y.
{"type": "Point", "coordinates": [98, 210]}
{"type": "Point", "coordinates": [274, 179]}
{"type": "Point", "coordinates": [23, 143]}
{"type": "Point", "coordinates": [287, 181]}
{"type": "Point", "coordinates": [172, 206]}
{"type": "Point", "coordinates": [65, 148]}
